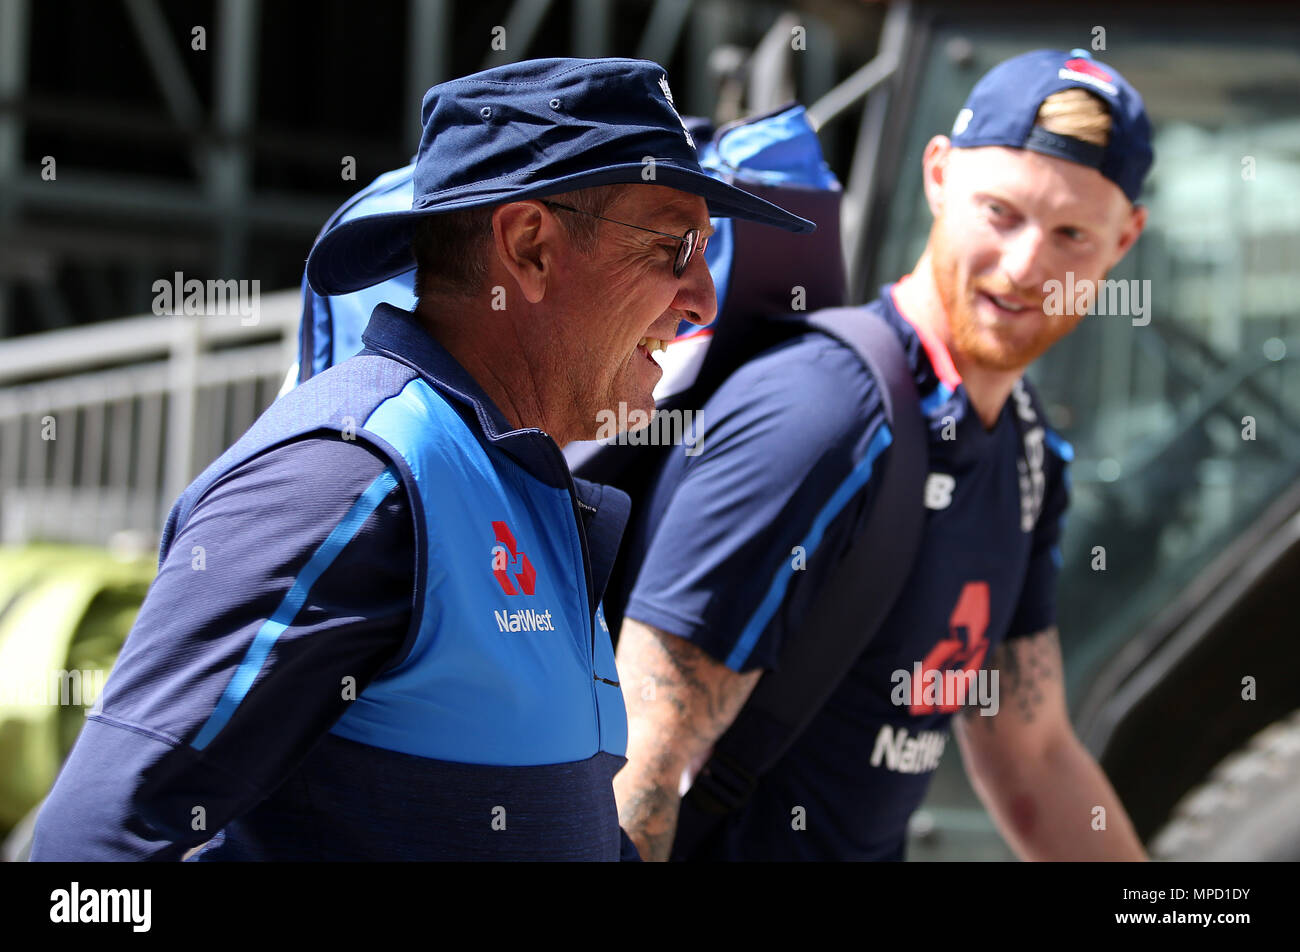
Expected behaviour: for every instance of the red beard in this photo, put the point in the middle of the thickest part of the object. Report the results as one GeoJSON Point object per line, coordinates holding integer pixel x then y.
{"type": "Point", "coordinates": [1001, 348]}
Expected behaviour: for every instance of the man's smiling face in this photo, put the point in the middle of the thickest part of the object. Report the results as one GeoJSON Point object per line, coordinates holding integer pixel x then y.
{"type": "Point", "coordinates": [625, 292]}
{"type": "Point", "coordinates": [1010, 221]}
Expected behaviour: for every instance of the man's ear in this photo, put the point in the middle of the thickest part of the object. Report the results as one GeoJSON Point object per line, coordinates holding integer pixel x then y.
{"type": "Point", "coordinates": [524, 237]}
{"type": "Point", "coordinates": [1137, 220]}
{"type": "Point", "coordinates": [934, 170]}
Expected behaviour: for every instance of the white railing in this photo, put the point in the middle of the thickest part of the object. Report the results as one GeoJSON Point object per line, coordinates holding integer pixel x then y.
{"type": "Point", "coordinates": [101, 427]}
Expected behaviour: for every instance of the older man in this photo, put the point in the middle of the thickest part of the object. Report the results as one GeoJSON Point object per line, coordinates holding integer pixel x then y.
{"type": "Point", "coordinates": [376, 631]}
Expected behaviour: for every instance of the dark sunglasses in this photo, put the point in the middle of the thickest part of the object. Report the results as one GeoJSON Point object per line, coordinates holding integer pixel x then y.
{"type": "Point", "coordinates": [692, 242]}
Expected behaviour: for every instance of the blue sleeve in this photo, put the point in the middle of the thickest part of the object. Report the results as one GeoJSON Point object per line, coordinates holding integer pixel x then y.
{"type": "Point", "coordinates": [736, 536]}
{"type": "Point", "coordinates": [293, 574]}
{"type": "Point", "coordinates": [1036, 608]}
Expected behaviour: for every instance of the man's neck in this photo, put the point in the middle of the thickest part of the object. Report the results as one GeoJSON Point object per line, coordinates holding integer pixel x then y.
{"type": "Point", "coordinates": [493, 355]}
{"type": "Point", "coordinates": [919, 300]}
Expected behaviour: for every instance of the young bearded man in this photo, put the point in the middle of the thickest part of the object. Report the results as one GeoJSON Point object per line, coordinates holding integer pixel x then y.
{"type": "Point", "coordinates": [1039, 181]}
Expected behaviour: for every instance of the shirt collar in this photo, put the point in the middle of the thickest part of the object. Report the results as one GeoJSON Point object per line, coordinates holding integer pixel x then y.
{"type": "Point", "coordinates": [918, 354]}
{"type": "Point", "coordinates": [943, 395]}
{"type": "Point", "coordinates": [395, 333]}
{"type": "Point", "coordinates": [937, 355]}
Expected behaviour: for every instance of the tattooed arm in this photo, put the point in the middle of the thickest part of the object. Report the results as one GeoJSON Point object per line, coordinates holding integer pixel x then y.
{"type": "Point", "coordinates": [679, 702]}
{"type": "Point", "coordinates": [1035, 777]}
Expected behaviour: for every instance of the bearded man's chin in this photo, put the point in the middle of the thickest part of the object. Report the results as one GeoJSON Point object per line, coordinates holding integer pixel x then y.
{"type": "Point", "coordinates": [1006, 361]}
{"type": "Point", "coordinates": [987, 351]}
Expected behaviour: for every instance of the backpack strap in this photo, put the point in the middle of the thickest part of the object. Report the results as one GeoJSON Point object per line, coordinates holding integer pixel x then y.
{"type": "Point", "coordinates": [836, 630]}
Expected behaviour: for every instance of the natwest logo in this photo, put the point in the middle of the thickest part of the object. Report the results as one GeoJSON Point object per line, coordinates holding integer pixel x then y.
{"type": "Point", "coordinates": [508, 562]}
{"type": "Point", "coordinates": [526, 619]}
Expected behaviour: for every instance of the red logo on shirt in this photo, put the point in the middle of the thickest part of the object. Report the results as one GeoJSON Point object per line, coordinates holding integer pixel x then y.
{"type": "Point", "coordinates": [507, 560]}
{"type": "Point", "coordinates": [964, 651]}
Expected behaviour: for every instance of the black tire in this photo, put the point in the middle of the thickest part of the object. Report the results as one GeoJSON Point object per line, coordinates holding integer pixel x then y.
{"type": "Point", "coordinates": [1248, 808]}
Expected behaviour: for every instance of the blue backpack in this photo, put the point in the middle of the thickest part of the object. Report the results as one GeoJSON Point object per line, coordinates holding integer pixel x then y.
{"type": "Point", "coordinates": [330, 330]}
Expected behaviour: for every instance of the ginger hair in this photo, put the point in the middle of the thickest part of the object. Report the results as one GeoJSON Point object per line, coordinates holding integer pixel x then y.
{"type": "Point", "coordinates": [1076, 113]}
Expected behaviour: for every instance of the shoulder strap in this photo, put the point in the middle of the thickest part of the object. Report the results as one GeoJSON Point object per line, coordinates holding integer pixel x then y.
{"type": "Point", "coordinates": [837, 628]}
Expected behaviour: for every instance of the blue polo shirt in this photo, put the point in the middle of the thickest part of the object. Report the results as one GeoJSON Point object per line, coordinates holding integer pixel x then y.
{"type": "Point", "coordinates": [733, 539]}
{"type": "Point", "coordinates": [375, 634]}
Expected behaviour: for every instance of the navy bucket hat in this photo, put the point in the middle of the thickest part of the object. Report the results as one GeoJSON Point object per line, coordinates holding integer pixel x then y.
{"type": "Point", "coordinates": [1003, 107]}
{"type": "Point", "coordinates": [527, 130]}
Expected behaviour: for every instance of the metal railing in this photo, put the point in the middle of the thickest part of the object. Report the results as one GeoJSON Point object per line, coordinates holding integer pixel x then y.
{"type": "Point", "coordinates": [101, 427]}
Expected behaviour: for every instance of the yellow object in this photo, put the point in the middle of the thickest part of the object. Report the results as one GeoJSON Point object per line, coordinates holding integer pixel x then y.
{"type": "Point", "coordinates": [64, 613]}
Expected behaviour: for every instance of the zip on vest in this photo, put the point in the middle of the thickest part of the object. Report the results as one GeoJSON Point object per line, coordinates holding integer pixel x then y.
{"type": "Point", "coordinates": [579, 507]}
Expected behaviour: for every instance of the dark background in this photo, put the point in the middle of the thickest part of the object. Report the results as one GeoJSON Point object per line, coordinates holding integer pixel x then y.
{"type": "Point", "coordinates": [224, 162]}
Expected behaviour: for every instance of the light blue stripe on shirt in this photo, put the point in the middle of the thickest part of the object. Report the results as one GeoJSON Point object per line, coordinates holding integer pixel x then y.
{"type": "Point", "coordinates": [273, 627]}
{"type": "Point", "coordinates": [776, 592]}
{"type": "Point", "coordinates": [937, 398]}
{"type": "Point", "coordinates": [1059, 446]}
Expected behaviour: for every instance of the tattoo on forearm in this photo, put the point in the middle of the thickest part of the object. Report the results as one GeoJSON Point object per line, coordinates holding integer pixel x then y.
{"type": "Point", "coordinates": [649, 815]}
{"type": "Point", "coordinates": [704, 698]}
{"type": "Point", "coordinates": [706, 704]}
{"type": "Point", "coordinates": [1025, 666]}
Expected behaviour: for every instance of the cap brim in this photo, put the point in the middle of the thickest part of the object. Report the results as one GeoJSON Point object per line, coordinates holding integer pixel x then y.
{"type": "Point", "coordinates": [373, 248]}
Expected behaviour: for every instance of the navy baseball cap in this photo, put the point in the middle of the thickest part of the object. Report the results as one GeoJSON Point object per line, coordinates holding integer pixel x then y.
{"type": "Point", "coordinates": [1002, 107]}
{"type": "Point", "coordinates": [526, 130]}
